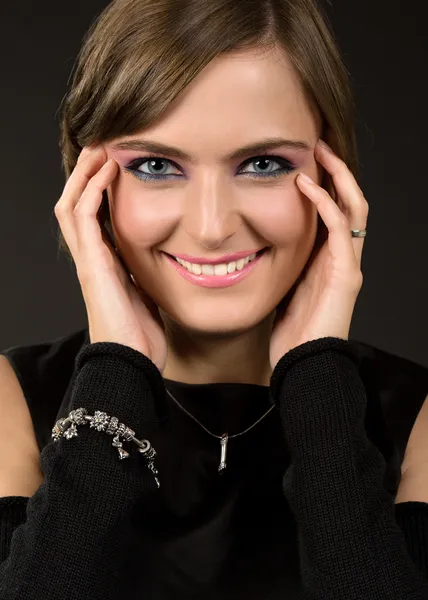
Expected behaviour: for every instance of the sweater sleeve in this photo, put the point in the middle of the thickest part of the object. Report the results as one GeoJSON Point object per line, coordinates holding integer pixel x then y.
{"type": "Point", "coordinates": [73, 542]}
{"type": "Point", "coordinates": [12, 514]}
{"type": "Point", "coordinates": [350, 545]}
{"type": "Point", "coordinates": [412, 519]}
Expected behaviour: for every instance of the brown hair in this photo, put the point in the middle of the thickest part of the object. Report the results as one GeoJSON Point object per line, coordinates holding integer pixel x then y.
{"type": "Point", "coordinates": [138, 55]}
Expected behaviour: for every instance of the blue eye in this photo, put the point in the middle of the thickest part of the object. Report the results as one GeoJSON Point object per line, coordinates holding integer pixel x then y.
{"type": "Point", "coordinates": [152, 162]}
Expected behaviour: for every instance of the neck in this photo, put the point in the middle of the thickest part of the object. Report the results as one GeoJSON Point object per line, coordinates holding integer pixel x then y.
{"type": "Point", "coordinates": [228, 358]}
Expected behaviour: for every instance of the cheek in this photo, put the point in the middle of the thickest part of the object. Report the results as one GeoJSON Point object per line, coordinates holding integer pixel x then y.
{"type": "Point", "coordinates": [282, 216]}
{"type": "Point", "coordinates": [285, 217]}
{"type": "Point", "coordinates": [139, 220]}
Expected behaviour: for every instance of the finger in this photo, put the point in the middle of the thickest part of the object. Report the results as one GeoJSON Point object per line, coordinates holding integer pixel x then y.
{"type": "Point", "coordinates": [339, 235]}
{"type": "Point", "coordinates": [86, 151]}
{"type": "Point", "coordinates": [82, 173]}
{"type": "Point", "coordinates": [349, 195]}
{"type": "Point", "coordinates": [73, 190]}
{"type": "Point", "coordinates": [87, 227]}
{"type": "Point", "coordinates": [347, 188]}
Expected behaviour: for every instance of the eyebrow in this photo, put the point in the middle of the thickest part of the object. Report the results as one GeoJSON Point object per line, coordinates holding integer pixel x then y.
{"type": "Point", "coordinates": [260, 146]}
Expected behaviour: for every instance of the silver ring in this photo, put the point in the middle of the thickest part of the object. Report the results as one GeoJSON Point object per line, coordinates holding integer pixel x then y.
{"type": "Point", "coordinates": [359, 232]}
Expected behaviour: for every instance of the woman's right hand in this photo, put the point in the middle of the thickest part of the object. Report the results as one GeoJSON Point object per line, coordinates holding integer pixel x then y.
{"type": "Point", "coordinates": [118, 309]}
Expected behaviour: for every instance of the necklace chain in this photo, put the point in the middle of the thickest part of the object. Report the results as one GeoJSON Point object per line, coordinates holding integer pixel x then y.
{"type": "Point", "coordinates": [223, 438]}
{"type": "Point", "coordinates": [213, 434]}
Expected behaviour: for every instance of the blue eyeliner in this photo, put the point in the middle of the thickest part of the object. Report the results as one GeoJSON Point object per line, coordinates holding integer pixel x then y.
{"type": "Point", "coordinates": [287, 167]}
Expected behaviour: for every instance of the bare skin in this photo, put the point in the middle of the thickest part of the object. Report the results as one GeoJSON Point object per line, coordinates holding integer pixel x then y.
{"type": "Point", "coordinates": [215, 207]}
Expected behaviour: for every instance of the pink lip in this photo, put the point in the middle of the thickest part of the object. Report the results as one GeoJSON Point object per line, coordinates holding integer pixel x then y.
{"type": "Point", "coordinates": [212, 281]}
{"type": "Point", "coordinates": [216, 261]}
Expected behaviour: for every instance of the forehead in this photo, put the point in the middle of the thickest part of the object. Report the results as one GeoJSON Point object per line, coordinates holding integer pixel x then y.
{"type": "Point", "coordinates": [237, 98]}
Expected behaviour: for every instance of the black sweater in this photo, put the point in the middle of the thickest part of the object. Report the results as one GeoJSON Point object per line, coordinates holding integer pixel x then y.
{"type": "Point", "coordinates": [98, 528]}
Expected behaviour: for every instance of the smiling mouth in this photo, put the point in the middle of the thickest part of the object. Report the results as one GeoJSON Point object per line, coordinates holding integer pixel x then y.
{"type": "Point", "coordinates": [223, 268]}
{"type": "Point", "coordinates": [220, 275]}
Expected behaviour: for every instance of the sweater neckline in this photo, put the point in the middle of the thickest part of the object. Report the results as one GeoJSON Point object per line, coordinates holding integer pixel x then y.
{"type": "Point", "coordinates": [221, 407]}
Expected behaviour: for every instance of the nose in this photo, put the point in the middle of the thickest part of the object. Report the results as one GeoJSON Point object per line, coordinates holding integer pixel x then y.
{"type": "Point", "coordinates": [211, 215]}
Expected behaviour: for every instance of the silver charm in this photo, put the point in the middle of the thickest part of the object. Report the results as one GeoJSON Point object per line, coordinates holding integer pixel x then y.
{"type": "Point", "coordinates": [117, 443]}
{"type": "Point", "coordinates": [128, 434]}
{"type": "Point", "coordinates": [223, 444]}
{"type": "Point", "coordinates": [71, 432]}
{"type": "Point", "coordinates": [58, 430]}
{"type": "Point", "coordinates": [149, 453]}
{"type": "Point", "coordinates": [112, 426]}
{"type": "Point", "coordinates": [78, 416]}
{"type": "Point", "coordinates": [122, 453]}
{"type": "Point", "coordinates": [100, 420]}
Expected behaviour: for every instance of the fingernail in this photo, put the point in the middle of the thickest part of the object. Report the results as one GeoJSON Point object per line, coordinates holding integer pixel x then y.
{"type": "Point", "coordinates": [96, 148]}
{"type": "Point", "coordinates": [108, 163]}
{"type": "Point", "coordinates": [87, 150]}
{"type": "Point", "coordinates": [324, 145]}
{"type": "Point", "coordinates": [84, 152]}
{"type": "Point", "coordinates": [306, 178]}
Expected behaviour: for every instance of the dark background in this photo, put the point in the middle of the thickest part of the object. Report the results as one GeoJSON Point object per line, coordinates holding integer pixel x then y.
{"type": "Point", "coordinates": [385, 47]}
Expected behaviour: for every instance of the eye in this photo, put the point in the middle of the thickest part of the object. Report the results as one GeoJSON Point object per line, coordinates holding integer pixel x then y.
{"type": "Point", "coordinates": [264, 163]}
{"type": "Point", "coordinates": [158, 166]}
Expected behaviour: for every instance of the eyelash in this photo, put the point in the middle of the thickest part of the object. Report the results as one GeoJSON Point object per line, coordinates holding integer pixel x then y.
{"type": "Point", "coordinates": [287, 167]}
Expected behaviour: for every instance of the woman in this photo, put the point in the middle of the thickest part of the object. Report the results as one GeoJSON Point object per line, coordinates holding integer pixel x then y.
{"type": "Point", "coordinates": [219, 301]}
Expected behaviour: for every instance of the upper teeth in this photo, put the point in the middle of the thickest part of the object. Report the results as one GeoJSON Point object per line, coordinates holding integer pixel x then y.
{"type": "Point", "coordinates": [222, 269]}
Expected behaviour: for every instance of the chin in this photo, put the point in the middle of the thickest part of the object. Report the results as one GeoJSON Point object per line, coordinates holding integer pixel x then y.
{"type": "Point", "coordinates": [225, 319]}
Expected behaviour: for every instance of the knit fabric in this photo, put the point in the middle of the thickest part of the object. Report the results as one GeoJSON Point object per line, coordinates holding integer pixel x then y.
{"type": "Point", "coordinates": [334, 485]}
{"type": "Point", "coordinates": [72, 539]}
{"type": "Point", "coordinates": [73, 542]}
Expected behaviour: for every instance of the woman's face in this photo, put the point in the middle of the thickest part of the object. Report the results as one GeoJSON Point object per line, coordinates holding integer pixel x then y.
{"type": "Point", "coordinates": [210, 205]}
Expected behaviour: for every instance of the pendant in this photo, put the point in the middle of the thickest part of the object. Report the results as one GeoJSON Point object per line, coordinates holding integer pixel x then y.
{"type": "Point", "coordinates": [118, 444]}
{"type": "Point", "coordinates": [223, 445]}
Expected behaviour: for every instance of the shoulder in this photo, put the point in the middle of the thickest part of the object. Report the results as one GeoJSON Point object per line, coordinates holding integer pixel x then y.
{"type": "Point", "coordinates": [389, 370]}
{"type": "Point", "coordinates": [53, 346]}
{"type": "Point", "coordinates": [42, 373]}
{"type": "Point", "coordinates": [396, 389]}
{"type": "Point", "coordinates": [19, 448]}
{"type": "Point", "coordinates": [47, 361]}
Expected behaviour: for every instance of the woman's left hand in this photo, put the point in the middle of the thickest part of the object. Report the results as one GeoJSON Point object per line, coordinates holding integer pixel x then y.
{"type": "Point", "coordinates": [321, 303]}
